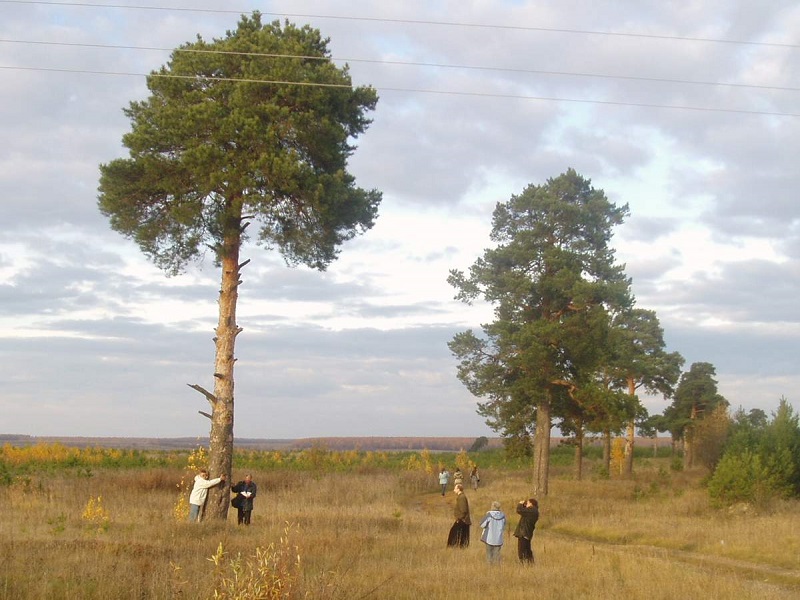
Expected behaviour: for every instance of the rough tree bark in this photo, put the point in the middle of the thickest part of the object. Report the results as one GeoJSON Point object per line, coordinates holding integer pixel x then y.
{"type": "Point", "coordinates": [220, 455]}
{"type": "Point", "coordinates": [579, 437]}
{"type": "Point", "coordinates": [541, 449]}
{"type": "Point", "coordinates": [688, 440]}
{"type": "Point", "coordinates": [631, 435]}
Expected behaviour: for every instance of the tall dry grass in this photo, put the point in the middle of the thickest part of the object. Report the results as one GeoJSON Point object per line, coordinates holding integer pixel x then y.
{"type": "Point", "coordinates": [381, 534]}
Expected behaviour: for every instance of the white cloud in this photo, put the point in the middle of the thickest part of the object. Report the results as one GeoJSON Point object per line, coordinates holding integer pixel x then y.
{"type": "Point", "coordinates": [101, 343]}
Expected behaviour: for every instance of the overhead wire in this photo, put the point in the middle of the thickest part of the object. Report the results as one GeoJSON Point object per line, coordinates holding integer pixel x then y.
{"type": "Point", "coordinates": [421, 64]}
{"type": "Point", "coordinates": [415, 64]}
{"type": "Point", "coordinates": [416, 90]}
{"type": "Point", "coordinates": [413, 22]}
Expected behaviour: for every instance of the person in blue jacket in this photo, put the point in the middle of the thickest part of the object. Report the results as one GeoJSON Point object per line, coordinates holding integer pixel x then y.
{"type": "Point", "coordinates": [494, 527]}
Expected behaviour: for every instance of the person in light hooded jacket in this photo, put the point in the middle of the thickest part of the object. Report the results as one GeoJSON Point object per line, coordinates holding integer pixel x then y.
{"type": "Point", "coordinates": [199, 493]}
{"type": "Point", "coordinates": [494, 527]}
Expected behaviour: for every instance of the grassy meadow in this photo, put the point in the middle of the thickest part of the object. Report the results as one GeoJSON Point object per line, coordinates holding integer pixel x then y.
{"type": "Point", "coordinates": [353, 525]}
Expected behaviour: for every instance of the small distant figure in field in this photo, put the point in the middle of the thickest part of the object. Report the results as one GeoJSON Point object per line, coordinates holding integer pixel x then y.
{"type": "Point", "coordinates": [444, 479]}
{"type": "Point", "coordinates": [459, 532]}
{"type": "Point", "coordinates": [528, 511]}
{"type": "Point", "coordinates": [200, 492]}
{"type": "Point", "coordinates": [474, 478]}
{"type": "Point", "coordinates": [494, 527]}
{"type": "Point", "coordinates": [243, 501]}
{"type": "Point", "coordinates": [458, 478]}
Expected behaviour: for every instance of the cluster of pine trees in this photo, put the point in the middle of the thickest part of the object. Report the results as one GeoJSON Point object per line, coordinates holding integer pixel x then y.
{"type": "Point", "coordinates": [569, 348]}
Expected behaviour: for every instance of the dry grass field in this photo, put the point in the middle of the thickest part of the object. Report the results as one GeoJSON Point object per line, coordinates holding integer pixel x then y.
{"type": "Point", "coordinates": [378, 533]}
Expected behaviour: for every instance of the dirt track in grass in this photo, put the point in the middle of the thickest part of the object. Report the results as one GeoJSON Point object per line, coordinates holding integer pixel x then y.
{"type": "Point", "coordinates": [788, 579]}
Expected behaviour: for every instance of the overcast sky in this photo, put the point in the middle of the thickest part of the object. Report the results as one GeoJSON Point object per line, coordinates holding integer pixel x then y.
{"type": "Point", "coordinates": [688, 112]}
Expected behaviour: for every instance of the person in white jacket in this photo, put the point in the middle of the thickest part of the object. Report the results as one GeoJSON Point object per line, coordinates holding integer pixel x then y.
{"type": "Point", "coordinates": [444, 477]}
{"type": "Point", "coordinates": [494, 527]}
{"type": "Point", "coordinates": [199, 493]}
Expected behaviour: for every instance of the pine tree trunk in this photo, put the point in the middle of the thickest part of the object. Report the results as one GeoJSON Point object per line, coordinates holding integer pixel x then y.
{"type": "Point", "coordinates": [221, 439]}
{"type": "Point", "coordinates": [607, 450]}
{"type": "Point", "coordinates": [631, 436]}
{"type": "Point", "coordinates": [688, 440]}
{"type": "Point", "coordinates": [579, 453]}
{"type": "Point", "coordinates": [688, 449]}
{"type": "Point", "coordinates": [541, 449]}
{"type": "Point", "coordinates": [629, 442]}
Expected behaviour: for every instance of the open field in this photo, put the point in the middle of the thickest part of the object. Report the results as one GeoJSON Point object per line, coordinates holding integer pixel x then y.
{"type": "Point", "coordinates": [377, 532]}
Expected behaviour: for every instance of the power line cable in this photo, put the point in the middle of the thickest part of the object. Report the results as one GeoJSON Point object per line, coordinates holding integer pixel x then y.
{"type": "Point", "coordinates": [418, 91]}
{"type": "Point", "coordinates": [416, 64]}
{"type": "Point", "coordinates": [416, 22]}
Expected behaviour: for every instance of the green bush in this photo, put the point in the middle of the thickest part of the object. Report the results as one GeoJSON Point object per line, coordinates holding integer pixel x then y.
{"type": "Point", "coordinates": [745, 477]}
{"type": "Point", "coordinates": [761, 459]}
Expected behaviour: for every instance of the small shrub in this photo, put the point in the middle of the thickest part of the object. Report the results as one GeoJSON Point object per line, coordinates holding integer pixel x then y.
{"type": "Point", "coordinates": [96, 515]}
{"type": "Point", "coordinates": [271, 572]}
{"type": "Point", "coordinates": [194, 463]}
{"type": "Point", "coordinates": [463, 462]}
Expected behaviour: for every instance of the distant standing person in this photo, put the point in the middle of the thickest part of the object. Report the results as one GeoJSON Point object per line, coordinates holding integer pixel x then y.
{"type": "Point", "coordinates": [243, 502]}
{"type": "Point", "coordinates": [528, 511]}
{"type": "Point", "coordinates": [459, 532]}
{"type": "Point", "coordinates": [444, 479]}
{"type": "Point", "coordinates": [200, 492]}
{"type": "Point", "coordinates": [458, 478]}
{"type": "Point", "coordinates": [494, 527]}
{"type": "Point", "coordinates": [474, 478]}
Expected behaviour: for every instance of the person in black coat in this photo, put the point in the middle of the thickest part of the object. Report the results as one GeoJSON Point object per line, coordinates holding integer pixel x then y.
{"type": "Point", "coordinates": [528, 511]}
{"type": "Point", "coordinates": [459, 532]}
{"type": "Point", "coordinates": [243, 502]}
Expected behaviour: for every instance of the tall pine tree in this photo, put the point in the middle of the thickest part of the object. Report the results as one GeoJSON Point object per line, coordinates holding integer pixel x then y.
{"type": "Point", "coordinates": [551, 277]}
{"type": "Point", "coordinates": [251, 128]}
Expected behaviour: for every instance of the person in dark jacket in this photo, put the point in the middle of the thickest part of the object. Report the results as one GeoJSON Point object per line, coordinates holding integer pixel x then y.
{"type": "Point", "coordinates": [243, 502]}
{"type": "Point", "coordinates": [459, 532]}
{"type": "Point", "coordinates": [528, 511]}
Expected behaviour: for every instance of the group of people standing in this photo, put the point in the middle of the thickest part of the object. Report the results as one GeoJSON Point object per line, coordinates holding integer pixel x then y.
{"type": "Point", "coordinates": [245, 491]}
{"type": "Point", "coordinates": [458, 478]}
{"type": "Point", "coordinates": [493, 526]}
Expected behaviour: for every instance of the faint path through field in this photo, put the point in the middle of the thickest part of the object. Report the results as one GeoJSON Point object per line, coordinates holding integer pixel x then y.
{"type": "Point", "coordinates": [758, 571]}
{"type": "Point", "coordinates": [435, 504]}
